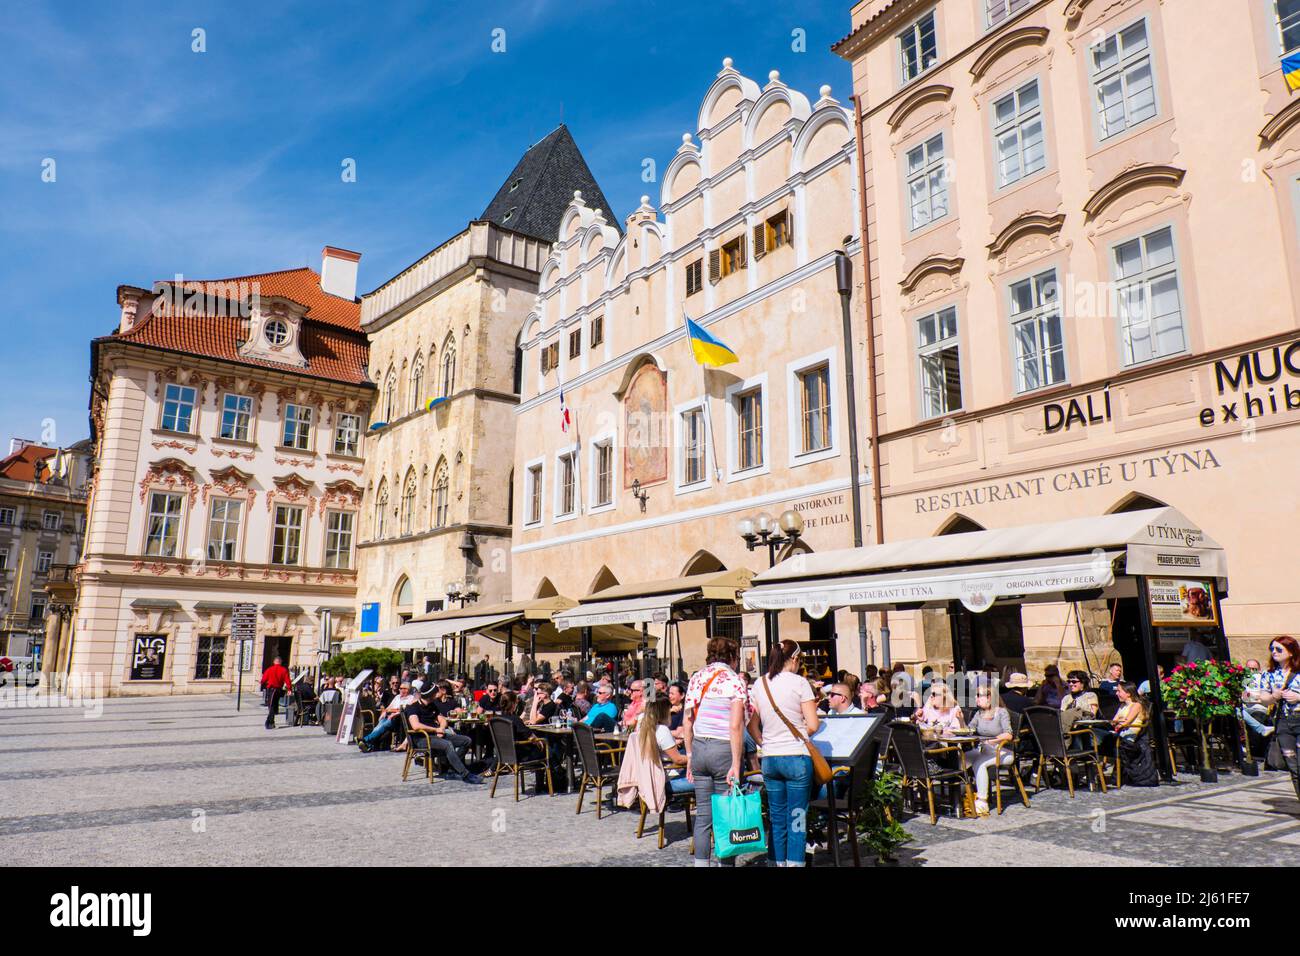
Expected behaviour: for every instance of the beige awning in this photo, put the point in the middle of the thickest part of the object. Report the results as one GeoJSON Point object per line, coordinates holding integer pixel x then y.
{"type": "Point", "coordinates": [652, 602]}
{"type": "Point", "coordinates": [515, 620]}
{"type": "Point", "coordinates": [1034, 562]}
{"type": "Point", "coordinates": [408, 637]}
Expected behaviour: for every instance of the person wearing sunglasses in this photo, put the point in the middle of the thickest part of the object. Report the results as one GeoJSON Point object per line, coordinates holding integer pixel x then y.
{"type": "Point", "coordinates": [841, 701]}
{"type": "Point", "coordinates": [1280, 689]}
{"type": "Point", "coordinates": [1078, 703]}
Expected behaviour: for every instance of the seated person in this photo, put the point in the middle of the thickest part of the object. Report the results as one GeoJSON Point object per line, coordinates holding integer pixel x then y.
{"type": "Point", "coordinates": [1254, 713]}
{"type": "Point", "coordinates": [329, 692]}
{"type": "Point", "coordinates": [840, 699]}
{"type": "Point", "coordinates": [582, 699]}
{"type": "Point", "coordinates": [603, 715]}
{"type": "Point", "coordinates": [1114, 674]}
{"type": "Point", "coordinates": [1013, 696]}
{"type": "Point", "coordinates": [676, 708]}
{"type": "Point", "coordinates": [657, 738]}
{"type": "Point", "coordinates": [873, 696]}
{"type": "Point", "coordinates": [635, 705]}
{"type": "Point", "coordinates": [940, 711]}
{"type": "Point", "coordinates": [490, 702]}
{"type": "Point", "coordinates": [388, 721]}
{"type": "Point", "coordinates": [423, 715]}
{"type": "Point", "coordinates": [526, 743]}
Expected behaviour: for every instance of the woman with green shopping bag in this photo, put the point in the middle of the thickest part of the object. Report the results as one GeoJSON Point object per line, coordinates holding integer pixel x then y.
{"type": "Point", "coordinates": [713, 719]}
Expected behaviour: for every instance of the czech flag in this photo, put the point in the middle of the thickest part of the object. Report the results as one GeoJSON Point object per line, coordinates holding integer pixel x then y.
{"type": "Point", "coordinates": [565, 418]}
{"type": "Point", "coordinates": [707, 349]}
{"type": "Point", "coordinates": [1291, 70]}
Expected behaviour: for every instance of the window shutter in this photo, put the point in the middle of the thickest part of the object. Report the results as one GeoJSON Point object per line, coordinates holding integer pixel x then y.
{"type": "Point", "coordinates": [740, 252]}
{"type": "Point", "coordinates": [789, 228]}
{"type": "Point", "coordinates": [715, 265]}
{"type": "Point", "coordinates": [760, 240]}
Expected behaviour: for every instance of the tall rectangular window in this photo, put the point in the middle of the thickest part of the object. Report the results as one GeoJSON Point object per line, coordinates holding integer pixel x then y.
{"type": "Point", "coordinates": [1001, 10]}
{"type": "Point", "coordinates": [694, 277]}
{"type": "Point", "coordinates": [4, 558]}
{"type": "Point", "coordinates": [178, 408]}
{"type": "Point", "coordinates": [1288, 24]}
{"type": "Point", "coordinates": [749, 429]}
{"type": "Point", "coordinates": [39, 602]}
{"type": "Point", "coordinates": [815, 408]}
{"type": "Point", "coordinates": [693, 446]}
{"type": "Point", "coordinates": [1122, 80]}
{"type": "Point", "coordinates": [1148, 299]}
{"type": "Point", "coordinates": [51, 520]}
{"type": "Point", "coordinates": [164, 524]}
{"type": "Point", "coordinates": [940, 365]}
{"type": "Point", "coordinates": [567, 481]}
{"type": "Point", "coordinates": [297, 427]}
{"type": "Point", "coordinates": [534, 494]}
{"type": "Point", "coordinates": [1018, 134]}
{"type": "Point", "coordinates": [347, 435]}
{"type": "Point", "coordinates": [575, 343]}
{"type": "Point", "coordinates": [604, 473]}
{"type": "Point", "coordinates": [236, 414]}
{"type": "Point", "coordinates": [7, 516]}
{"type": "Point", "coordinates": [43, 561]}
{"type": "Point", "coordinates": [223, 529]}
{"type": "Point", "coordinates": [338, 539]}
{"type": "Point", "coordinates": [597, 331]}
{"type": "Point", "coordinates": [918, 49]}
{"type": "Point", "coordinates": [927, 182]}
{"type": "Point", "coordinates": [1036, 332]}
{"type": "Point", "coordinates": [286, 543]}
{"type": "Point", "coordinates": [210, 658]}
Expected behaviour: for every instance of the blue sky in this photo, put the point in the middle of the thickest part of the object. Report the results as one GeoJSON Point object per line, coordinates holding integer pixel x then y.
{"type": "Point", "coordinates": [228, 162]}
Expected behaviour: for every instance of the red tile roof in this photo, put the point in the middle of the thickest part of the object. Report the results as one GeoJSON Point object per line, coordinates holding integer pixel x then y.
{"type": "Point", "coordinates": [21, 465]}
{"type": "Point", "coordinates": [299, 285]}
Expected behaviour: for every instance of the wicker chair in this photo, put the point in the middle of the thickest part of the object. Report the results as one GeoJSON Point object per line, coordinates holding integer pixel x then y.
{"type": "Point", "coordinates": [1045, 724]}
{"type": "Point", "coordinates": [417, 743]}
{"type": "Point", "coordinates": [997, 769]}
{"type": "Point", "coordinates": [912, 754]}
{"type": "Point", "coordinates": [509, 759]}
{"type": "Point", "coordinates": [599, 765]}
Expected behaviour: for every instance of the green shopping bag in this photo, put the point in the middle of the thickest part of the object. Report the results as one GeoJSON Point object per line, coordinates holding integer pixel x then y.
{"type": "Point", "coordinates": [738, 823]}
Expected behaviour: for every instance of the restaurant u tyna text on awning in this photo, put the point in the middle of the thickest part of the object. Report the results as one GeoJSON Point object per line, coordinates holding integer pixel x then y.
{"type": "Point", "coordinates": [1157, 556]}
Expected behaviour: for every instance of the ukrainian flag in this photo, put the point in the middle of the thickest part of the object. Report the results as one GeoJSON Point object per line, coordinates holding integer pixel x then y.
{"type": "Point", "coordinates": [707, 349]}
{"type": "Point", "coordinates": [1291, 70]}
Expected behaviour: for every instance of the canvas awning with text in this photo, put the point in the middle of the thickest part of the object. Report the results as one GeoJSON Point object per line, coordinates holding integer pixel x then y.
{"type": "Point", "coordinates": [1076, 559]}
{"type": "Point", "coordinates": [652, 602]}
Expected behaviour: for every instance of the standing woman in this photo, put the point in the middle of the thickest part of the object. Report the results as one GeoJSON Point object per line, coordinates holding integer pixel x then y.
{"type": "Point", "coordinates": [785, 715]}
{"type": "Point", "coordinates": [1280, 685]}
{"type": "Point", "coordinates": [713, 727]}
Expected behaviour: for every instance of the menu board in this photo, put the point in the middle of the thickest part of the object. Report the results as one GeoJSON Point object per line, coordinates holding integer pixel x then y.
{"type": "Point", "coordinates": [1182, 602]}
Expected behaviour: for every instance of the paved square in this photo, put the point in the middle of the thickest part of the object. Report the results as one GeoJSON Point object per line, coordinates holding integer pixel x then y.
{"type": "Point", "coordinates": [187, 780]}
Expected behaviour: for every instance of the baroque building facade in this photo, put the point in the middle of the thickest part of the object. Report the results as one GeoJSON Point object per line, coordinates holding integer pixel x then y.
{"type": "Point", "coordinates": [1083, 220]}
{"type": "Point", "coordinates": [642, 491]}
{"type": "Point", "coordinates": [228, 422]}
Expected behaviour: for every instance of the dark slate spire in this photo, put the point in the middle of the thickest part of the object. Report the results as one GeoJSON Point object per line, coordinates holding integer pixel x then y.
{"type": "Point", "coordinates": [539, 189]}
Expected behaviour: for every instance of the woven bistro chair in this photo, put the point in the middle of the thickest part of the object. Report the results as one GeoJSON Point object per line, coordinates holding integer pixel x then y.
{"type": "Point", "coordinates": [1008, 773]}
{"type": "Point", "coordinates": [599, 765]}
{"type": "Point", "coordinates": [913, 758]}
{"type": "Point", "coordinates": [509, 760]}
{"type": "Point", "coordinates": [1053, 749]}
{"type": "Point", "coordinates": [417, 743]}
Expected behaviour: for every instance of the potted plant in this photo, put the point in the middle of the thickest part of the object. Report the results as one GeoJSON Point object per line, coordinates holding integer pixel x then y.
{"type": "Point", "coordinates": [1201, 691]}
{"type": "Point", "coordinates": [877, 820]}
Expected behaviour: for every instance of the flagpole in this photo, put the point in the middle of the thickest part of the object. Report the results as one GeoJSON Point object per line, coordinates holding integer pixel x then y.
{"type": "Point", "coordinates": [708, 422]}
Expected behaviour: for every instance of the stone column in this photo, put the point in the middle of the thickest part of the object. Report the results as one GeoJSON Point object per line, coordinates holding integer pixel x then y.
{"type": "Point", "coordinates": [53, 631]}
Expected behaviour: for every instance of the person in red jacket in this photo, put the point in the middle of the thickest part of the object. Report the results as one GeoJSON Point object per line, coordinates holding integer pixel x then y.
{"type": "Point", "coordinates": [276, 679]}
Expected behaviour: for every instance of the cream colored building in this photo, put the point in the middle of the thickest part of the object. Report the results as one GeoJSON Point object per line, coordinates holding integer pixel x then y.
{"type": "Point", "coordinates": [1083, 221]}
{"type": "Point", "coordinates": [229, 422]}
{"type": "Point", "coordinates": [444, 336]}
{"type": "Point", "coordinates": [662, 458]}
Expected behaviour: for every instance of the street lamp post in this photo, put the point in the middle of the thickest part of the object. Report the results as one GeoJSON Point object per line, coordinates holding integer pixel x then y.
{"type": "Point", "coordinates": [779, 538]}
{"type": "Point", "coordinates": [461, 595]}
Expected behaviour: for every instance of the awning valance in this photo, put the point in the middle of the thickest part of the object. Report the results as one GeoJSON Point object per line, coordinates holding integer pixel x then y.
{"type": "Point", "coordinates": [651, 609]}
{"type": "Point", "coordinates": [652, 602]}
{"type": "Point", "coordinates": [1027, 562]}
{"type": "Point", "coordinates": [408, 637]}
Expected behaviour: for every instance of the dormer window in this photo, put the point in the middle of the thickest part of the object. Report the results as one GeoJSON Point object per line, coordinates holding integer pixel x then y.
{"type": "Point", "coordinates": [277, 332]}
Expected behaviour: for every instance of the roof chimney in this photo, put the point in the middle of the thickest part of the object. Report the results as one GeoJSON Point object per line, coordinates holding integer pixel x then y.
{"type": "Point", "coordinates": [338, 272]}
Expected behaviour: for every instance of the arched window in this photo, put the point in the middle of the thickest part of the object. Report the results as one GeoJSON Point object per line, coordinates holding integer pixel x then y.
{"type": "Point", "coordinates": [390, 396]}
{"type": "Point", "coordinates": [448, 369]}
{"type": "Point", "coordinates": [440, 496]}
{"type": "Point", "coordinates": [518, 378]}
{"type": "Point", "coordinates": [417, 383]}
{"type": "Point", "coordinates": [381, 509]}
{"type": "Point", "coordinates": [408, 503]}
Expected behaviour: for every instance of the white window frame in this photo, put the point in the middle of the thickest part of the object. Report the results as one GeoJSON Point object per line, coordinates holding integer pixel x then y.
{"type": "Point", "coordinates": [913, 30]}
{"type": "Point", "coordinates": [44, 561]}
{"type": "Point", "coordinates": [4, 559]}
{"type": "Point", "coordinates": [794, 406]}
{"type": "Point", "coordinates": [925, 173]}
{"type": "Point", "coordinates": [8, 516]}
{"type": "Point", "coordinates": [47, 524]}
{"type": "Point", "coordinates": [309, 421]}
{"type": "Point", "coordinates": [1019, 120]}
{"type": "Point", "coordinates": [247, 417]}
{"type": "Point", "coordinates": [1036, 314]}
{"type": "Point", "coordinates": [1281, 35]}
{"type": "Point", "coordinates": [193, 403]}
{"type": "Point", "coordinates": [225, 524]}
{"type": "Point", "coordinates": [43, 600]}
{"type": "Point", "coordinates": [680, 485]}
{"type": "Point", "coordinates": [333, 535]}
{"type": "Point", "coordinates": [608, 440]}
{"type": "Point", "coordinates": [919, 351]}
{"type": "Point", "coordinates": [533, 520]}
{"type": "Point", "coordinates": [1009, 7]}
{"type": "Point", "coordinates": [301, 529]}
{"type": "Point", "coordinates": [734, 473]}
{"type": "Point", "coordinates": [1124, 64]}
{"type": "Point", "coordinates": [166, 515]}
{"type": "Point", "coordinates": [567, 452]}
{"type": "Point", "coordinates": [1146, 276]}
{"type": "Point", "coordinates": [340, 431]}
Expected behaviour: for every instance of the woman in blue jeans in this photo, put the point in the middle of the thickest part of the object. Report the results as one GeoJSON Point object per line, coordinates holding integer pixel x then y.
{"type": "Point", "coordinates": [785, 715]}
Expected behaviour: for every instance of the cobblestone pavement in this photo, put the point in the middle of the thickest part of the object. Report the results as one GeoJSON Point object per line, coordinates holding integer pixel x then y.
{"type": "Point", "coordinates": [187, 780]}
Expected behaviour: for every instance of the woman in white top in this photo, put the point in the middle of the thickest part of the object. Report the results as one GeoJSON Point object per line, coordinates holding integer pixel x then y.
{"type": "Point", "coordinates": [785, 714]}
